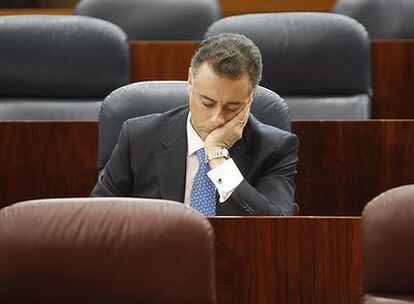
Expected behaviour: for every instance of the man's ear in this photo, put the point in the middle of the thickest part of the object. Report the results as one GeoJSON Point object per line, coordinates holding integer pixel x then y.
{"type": "Point", "coordinates": [189, 82]}
{"type": "Point", "coordinates": [189, 78]}
{"type": "Point", "coordinates": [252, 94]}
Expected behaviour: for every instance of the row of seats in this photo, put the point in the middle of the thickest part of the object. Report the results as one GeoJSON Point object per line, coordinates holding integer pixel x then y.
{"type": "Point", "coordinates": [61, 67]}
{"type": "Point", "coordinates": [188, 20]}
{"type": "Point", "coordinates": [120, 245]}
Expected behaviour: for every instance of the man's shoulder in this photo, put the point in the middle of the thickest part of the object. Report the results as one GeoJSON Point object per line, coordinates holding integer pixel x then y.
{"type": "Point", "coordinates": [267, 140]}
{"type": "Point", "coordinates": [266, 132]}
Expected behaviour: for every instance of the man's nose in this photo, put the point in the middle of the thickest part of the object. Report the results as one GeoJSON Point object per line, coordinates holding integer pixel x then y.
{"type": "Point", "coordinates": [217, 118]}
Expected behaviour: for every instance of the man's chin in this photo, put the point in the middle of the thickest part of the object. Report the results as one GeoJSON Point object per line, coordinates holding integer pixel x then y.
{"type": "Point", "coordinates": [202, 134]}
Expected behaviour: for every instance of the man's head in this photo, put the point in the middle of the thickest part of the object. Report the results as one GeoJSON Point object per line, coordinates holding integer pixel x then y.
{"type": "Point", "coordinates": [224, 72]}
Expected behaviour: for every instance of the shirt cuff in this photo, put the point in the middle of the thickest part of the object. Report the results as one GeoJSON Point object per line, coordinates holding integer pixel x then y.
{"type": "Point", "coordinates": [226, 177]}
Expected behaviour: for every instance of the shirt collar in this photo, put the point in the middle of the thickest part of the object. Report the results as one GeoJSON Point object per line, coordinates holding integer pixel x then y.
{"type": "Point", "coordinates": [194, 141]}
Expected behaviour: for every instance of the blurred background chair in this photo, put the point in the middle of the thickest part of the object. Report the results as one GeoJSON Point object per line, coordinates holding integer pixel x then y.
{"type": "Point", "coordinates": [59, 67]}
{"type": "Point", "coordinates": [145, 98]}
{"type": "Point", "coordinates": [318, 62]}
{"type": "Point", "coordinates": [105, 250]}
{"type": "Point", "coordinates": [387, 248]}
{"type": "Point", "coordinates": [155, 19]}
{"type": "Point", "coordinates": [383, 19]}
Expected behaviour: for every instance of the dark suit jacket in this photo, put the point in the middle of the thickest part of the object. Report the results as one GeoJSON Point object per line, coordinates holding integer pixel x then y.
{"type": "Point", "coordinates": [150, 161]}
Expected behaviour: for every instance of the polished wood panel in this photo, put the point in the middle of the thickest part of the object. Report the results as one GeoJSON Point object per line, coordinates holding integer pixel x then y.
{"type": "Point", "coordinates": [46, 159]}
{"type": "Point", "coordinates": [287, 260]}
{"type": "Point", "coordinates": [36, 11]}
{"type": "Point", "coordinates": [231, 7]}
{"type": "Point", "coordinates": [344, 164]}
{"type": "Point", "coordinates": [160, 60]}
{"type": "Point", "coordinates": [393, 78]}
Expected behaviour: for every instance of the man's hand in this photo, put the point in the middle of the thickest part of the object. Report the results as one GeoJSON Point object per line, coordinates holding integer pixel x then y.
{"type": "Point", "coordinates": [227, 135]}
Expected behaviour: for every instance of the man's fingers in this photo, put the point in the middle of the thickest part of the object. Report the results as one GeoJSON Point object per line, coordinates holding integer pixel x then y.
{"type": "Point", "coordinates": [242, 115]}
{"type": "Point", "coordinates": [245, 114]}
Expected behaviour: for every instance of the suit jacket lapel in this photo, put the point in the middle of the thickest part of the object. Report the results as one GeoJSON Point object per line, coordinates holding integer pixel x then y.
{"type": "Point", "coordinates": [171, 157]}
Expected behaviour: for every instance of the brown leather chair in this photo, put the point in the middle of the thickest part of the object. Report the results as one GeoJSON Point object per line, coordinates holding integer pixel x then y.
{"type": "Point", "coordinates": [387, 246]}
{"type": "Point", "coordinates": [105, 250]}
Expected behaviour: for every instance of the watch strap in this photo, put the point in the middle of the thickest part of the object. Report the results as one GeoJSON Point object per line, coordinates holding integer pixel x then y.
{"type": "Point", "coordinates": [218, 153]}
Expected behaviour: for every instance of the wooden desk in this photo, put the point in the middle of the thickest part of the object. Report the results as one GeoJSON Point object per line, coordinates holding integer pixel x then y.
{"type": "Point", "coordinates": [393, 78]}
{"type": "Point", "coordinates": [231, 7]}
{"type": "Point", "coordinates": [160, 60]}
{"type": "Point", "coordinates": [342, 164]}
{"type": "Point", "coordinates": [46, 159]}
{"type": "Point", "coordinates": [287, 260]}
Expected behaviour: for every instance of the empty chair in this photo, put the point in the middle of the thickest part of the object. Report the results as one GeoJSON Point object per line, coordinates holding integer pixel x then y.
{"type": "Point", "coordinates": [318, 62]}
{"type": "Point", "coordinates": [105, 250]}
{"type": "Point", "coordinates": [387, 248]}
{"type": "Point", "coordinates": [383, 19]}
{"type": "Point", "coordinates": [144, 98]}
{"type": "Point", "coordinates": [155, 19]}
{"type": "Point", "coordinates": [59, 67]}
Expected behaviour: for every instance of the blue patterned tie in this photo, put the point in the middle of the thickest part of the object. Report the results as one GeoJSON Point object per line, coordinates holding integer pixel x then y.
{"type": "Point", "coordinates": [203, 193]}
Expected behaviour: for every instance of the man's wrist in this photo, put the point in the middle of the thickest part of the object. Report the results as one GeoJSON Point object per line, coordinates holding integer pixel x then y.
{"type": "Point", "coordinates": [215, 155]}
{"type": "Point", "coordinates": [214, 163]}
{"type": "Point", "coordinates": [210, 148]}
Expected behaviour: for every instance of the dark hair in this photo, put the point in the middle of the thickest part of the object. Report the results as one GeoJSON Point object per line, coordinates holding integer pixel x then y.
{"type": "Point", "coordinates": [230, 55]}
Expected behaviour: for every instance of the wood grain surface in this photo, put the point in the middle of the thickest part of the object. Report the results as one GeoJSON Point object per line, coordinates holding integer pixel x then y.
{"type": "Point", "coordinates": [160, 60]}
{"type": "Point", "coordinates": [46, 159]}
{"type": "Point", "coordinates": [342, 164]}
{"type": "Point", "coordinates": [287, 260]}
{"type": "Point", "coordinates": [231, 7]}
{"type": "Point", "coordinates": [393, 79]}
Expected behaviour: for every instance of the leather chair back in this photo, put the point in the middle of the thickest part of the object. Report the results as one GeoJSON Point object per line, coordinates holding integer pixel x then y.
{"type": "Point", "coordinates": [383, 19]}
{"type": "Point", "coordinates": [318, 62]}
{"type": "Point", "coordinates": [155, 19]}
{"type": "Point", "coordinates": [150, 97]}
{"type": "Point", "coordinates": [59, 67]}
{"type": "Point", "coordinates": [105, 250]}
{"type": "Point", "coordinates": [387, 248]}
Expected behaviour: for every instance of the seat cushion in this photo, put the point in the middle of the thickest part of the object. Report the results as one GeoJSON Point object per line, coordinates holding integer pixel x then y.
{"type": "Point", "coordinates": [61, 57]}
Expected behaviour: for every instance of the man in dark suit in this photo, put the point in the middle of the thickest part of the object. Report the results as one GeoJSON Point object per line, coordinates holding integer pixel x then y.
{"type": "Point", "coordinates": [212, 155]}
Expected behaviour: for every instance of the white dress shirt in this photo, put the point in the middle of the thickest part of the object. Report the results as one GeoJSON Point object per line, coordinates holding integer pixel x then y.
{"type": "Point", "coordinates": [226, 177]}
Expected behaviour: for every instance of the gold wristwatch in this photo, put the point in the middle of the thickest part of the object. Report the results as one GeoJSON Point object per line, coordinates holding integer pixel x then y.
{"type": "Point", "coordinates": [218, 153]}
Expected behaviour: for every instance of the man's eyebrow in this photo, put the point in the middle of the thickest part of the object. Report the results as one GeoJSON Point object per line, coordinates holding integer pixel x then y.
{"type": "Point", "coordinates": [236, 102]}
{"type": "Point", "coordinates": [208, 98]}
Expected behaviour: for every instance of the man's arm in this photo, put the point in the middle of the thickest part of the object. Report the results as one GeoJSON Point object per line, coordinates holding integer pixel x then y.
{"type": "Point", "coordinates": [116, 179]}
{"type": "Point", "coordinates": [273, 194]}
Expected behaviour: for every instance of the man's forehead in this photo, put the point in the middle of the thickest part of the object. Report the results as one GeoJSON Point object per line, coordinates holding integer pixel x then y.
{"type": "Point", "coordinates": [230, 101]}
